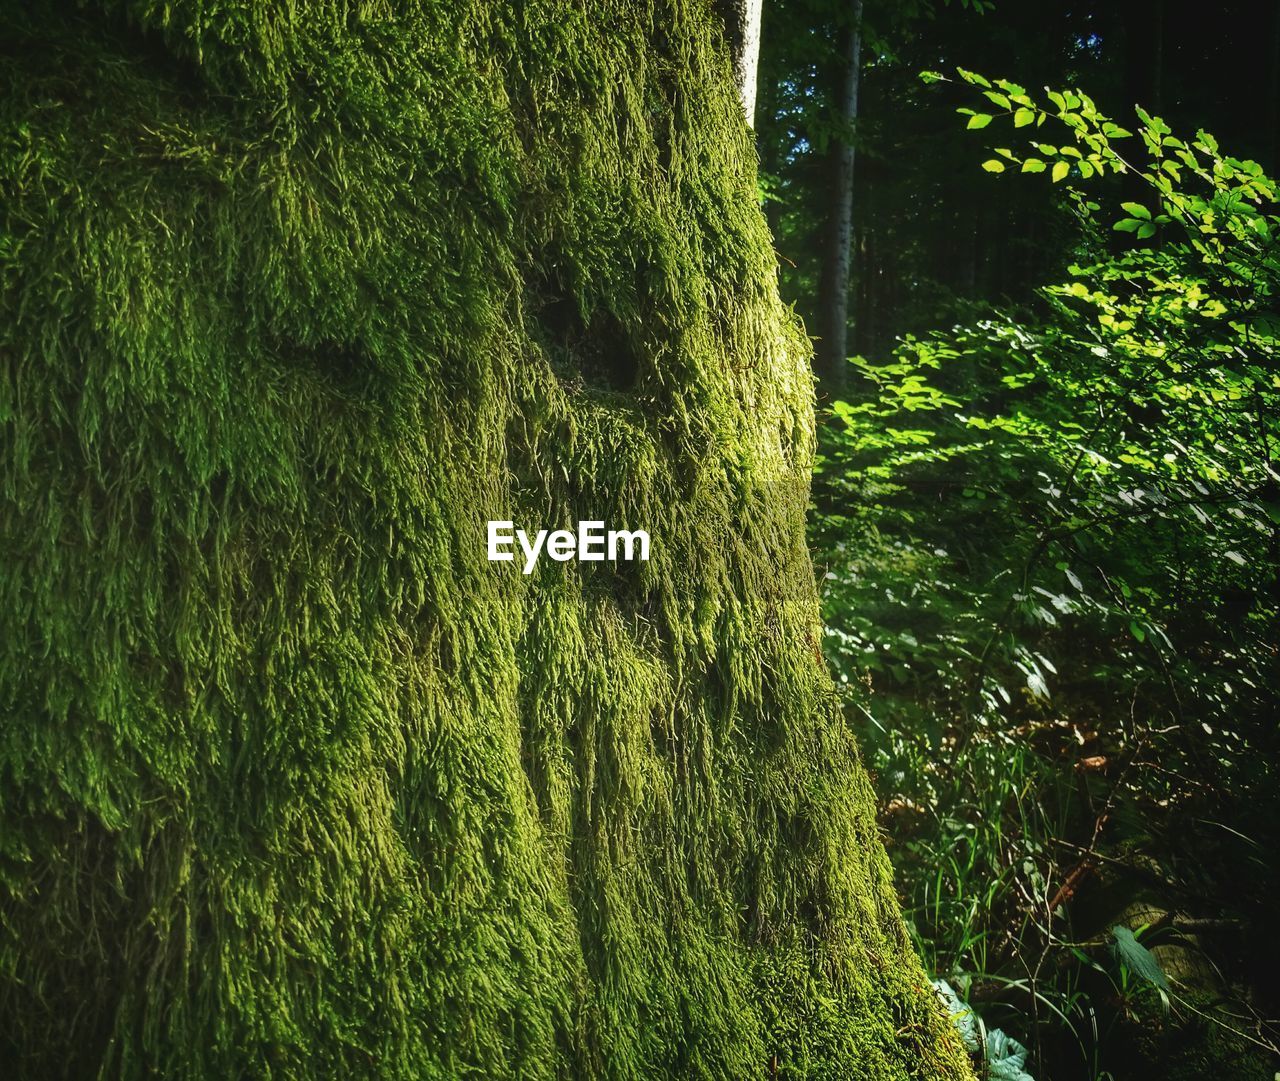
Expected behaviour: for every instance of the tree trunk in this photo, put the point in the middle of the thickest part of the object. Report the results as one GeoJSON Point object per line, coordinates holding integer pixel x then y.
{"type": "Point", "coordinates": [742, 25]}
{"type": "Point", "coordinates": [1273, 91]}
{"type": "Point", "coordinates": [1144, 86]}
{"type": "Point", "coordinates": [1144, 54]}
{"type": "Point", "coordinates": [296, 781]}
{"type": "Point", "coordinates": [833, 287]}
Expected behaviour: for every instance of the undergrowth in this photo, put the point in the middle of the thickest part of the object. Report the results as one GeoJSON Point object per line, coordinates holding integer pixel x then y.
{"type": "Point", "coordinates": [1050, 545]}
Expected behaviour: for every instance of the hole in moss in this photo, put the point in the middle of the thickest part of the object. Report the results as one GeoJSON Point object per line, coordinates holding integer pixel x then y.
{"type": "Point", "coordinates": [594, 351]}
{"type": "Point", "coordinates": [344, 367]}
{"type": "Point", "coordinates": [65, 40]}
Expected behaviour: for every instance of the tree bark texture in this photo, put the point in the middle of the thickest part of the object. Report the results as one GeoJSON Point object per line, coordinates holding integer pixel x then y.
{"type": "Point", "coordinates": [296, 783]}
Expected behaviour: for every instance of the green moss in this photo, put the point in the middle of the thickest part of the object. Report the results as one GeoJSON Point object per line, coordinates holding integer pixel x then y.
{"type": "Point", "coordinates": [292, 781]}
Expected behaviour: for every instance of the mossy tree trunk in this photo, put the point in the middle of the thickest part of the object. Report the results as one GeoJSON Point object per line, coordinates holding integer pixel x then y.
{"type": "Point", "coordinates": [295, 783]}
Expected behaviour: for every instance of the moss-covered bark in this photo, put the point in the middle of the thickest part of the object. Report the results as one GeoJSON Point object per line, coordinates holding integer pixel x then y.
{"type": "Point", "coordinates": [294, 783]}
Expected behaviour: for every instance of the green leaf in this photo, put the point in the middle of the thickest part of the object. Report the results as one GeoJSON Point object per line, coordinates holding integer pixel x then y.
{"type": "Point", "coordinates": [1126, 225]}
{"type": "Point", "coordinates": [993, 166]}
{"type": "Point", "coordinates": [1207, 141]}
{"type": "Point", "coordinates": [1137, 210]}
{"type": "Point", "coordinates": [1137, 958]}
{"type": "Point", "coordinates": [1145, 230]}
{"type": "Point", "coordinates": [1060, 170]}
{"type": "Point", "coordinates": [962, 1016]}
{"type": "Point", "coordinates": [1006, 1057]}
{"type": "Point", "coordinates": [1023, 117]}
{"type": "Point", "coordinates": [978, 120]}
{"type": "Point", "coordinates": [1033, 165]}
{"type": "Point", "coordinates": [1137, 631]}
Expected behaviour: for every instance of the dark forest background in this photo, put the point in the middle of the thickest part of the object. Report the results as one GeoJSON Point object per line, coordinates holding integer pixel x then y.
{"type": "Point", "coordinates": [1047, 507]}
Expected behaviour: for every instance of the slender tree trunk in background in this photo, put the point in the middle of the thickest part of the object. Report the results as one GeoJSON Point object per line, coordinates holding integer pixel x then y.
{"type": "Point", "coordinates": [1157, 53]}
{"type": "Point", "coordinates": [833, 287]}
{"type": "Point", "coordinates": [864, 308]}
{"type": "Point", "coordinates": [1143, 83]}
{"type": "Point", "coordinates": [969, 275]}
{"type": "Point", "coordinates": [1273, 91]}
{"type": "Point", "coordinates": [742, 23]}
{"type": "Point", "coordinates": [1144, 54]}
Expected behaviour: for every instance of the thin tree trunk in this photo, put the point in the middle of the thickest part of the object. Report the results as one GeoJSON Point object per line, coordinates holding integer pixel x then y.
{"type": "Point", "coordinates": [833, 287]}
{"type": "Point", "coordinates": [1144, 86]}
{"type": "Point", "coordinates": [1273, 92]}
{"type": "Point", "coordinates": [1144, 54]}
{"type": "Point", "coordinates": [742, 24]}
{"type": "Point", "coordinates": [867, 255]}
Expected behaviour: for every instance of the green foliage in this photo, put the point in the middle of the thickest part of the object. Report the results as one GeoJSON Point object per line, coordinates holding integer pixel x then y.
{"type": "Point", "coordinates": [1051, 548]}
{"type": "Point", "coordinates": [929, 238]}
{"type": "Point", "coordinates": [292, 782]}
{"type": "Point", "coordinates": [1139, 960]}
{"type": "Point", "coordinates": [1002, 1056]}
